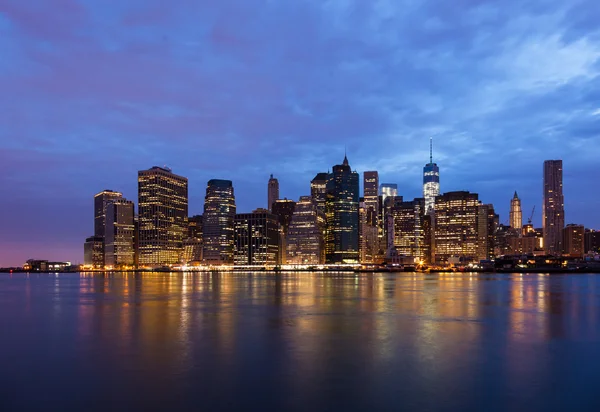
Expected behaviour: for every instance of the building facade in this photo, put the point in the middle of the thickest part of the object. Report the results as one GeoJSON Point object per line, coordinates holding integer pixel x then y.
{"type": "Point", "coordinates": [272, 192]}
{"type": "Point", "coordinates": [341, 211]}
{"type": "Point", "coordinates": [304, 241]}
{"type": "Point", "coordinates": [257, 238]}
{"type": "Point", "coordinates": [409, 232]}
{"type": "Point", "coordinates": [93, 252]}
{"type": "Point", "coordinates": [516, 213]}
{"type": "Point", "coordinates": [574, 241]}
{"type": "Point", "coordinates": [118, 242]}
{"type": "Point", "coordinates": [318, 190]}
{"type": "Point", "coordinates": [553, 212]}
{"type": "Point", "coordinates": [219, 223]}
{"type": "Point", "coordinates": [370, 218]}
{"type": "Point", "coordinates": [162, 216]}
{"type": "Point", "coordinates": [486, 230]}
{"type": "Point", "coordinates": [456, 230]}
{"type": "Point", "coordinates": [431, 181]}
{"type": "Point", "coordinates": [101, 200]}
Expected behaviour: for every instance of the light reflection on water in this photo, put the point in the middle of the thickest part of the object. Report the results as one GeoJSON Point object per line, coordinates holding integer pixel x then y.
{"type": "Point", "coordinates": [238, 341]}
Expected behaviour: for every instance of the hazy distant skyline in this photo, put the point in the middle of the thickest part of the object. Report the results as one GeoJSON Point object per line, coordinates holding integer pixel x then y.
{"type": "Point", "coordinates": [92, 93]}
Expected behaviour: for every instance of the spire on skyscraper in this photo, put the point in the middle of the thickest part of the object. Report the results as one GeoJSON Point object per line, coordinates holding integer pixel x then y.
{"type": "Point", "coordinates": [431, 150]}
{"type": "Point", "coordinates": [345, 163]}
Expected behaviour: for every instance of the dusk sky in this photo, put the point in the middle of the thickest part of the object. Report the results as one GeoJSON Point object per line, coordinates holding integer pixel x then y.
{"type": "Point", "coordinates": [92, 91]}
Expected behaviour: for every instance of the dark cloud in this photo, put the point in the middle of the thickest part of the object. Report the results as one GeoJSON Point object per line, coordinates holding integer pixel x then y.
{"type": "Point", "coordinates": [92, 92]}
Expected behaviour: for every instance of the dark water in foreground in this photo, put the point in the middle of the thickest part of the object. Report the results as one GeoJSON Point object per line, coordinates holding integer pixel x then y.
{"type": "Point", "coordinates": [310, 342]}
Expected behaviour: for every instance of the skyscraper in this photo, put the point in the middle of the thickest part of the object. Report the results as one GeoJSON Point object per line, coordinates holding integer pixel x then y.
{"type": "Point", "coordinates": [218, 222]}
{"type": "Point", "coordinates": [486, 229]}
{"type": "Point", "coordinates": [256, 238]}
{"type": "Point", "coordinates": [305, 243]}
{"type": "Point", "coordinates": [408, 233]}
{"type": "Point", "coordinates": [371, 224]}
{"type": "Point", "coordinates": [101, 200]}
{"type": "Point", "coordinates": [272, 192]}
{"type": "Point", "coordinates": [162, 216]}
{"type": "Point", "coordinates": [93, 252]}
{"type": "Point", "coordinates": [456, 227]}
{"type": "Point", "coordinates": [516, 214]}
{"type": "Point", "coordinates": [574, 240]}
{"type": "Point", "coordinates": [431, 181]}
{"type": "Point", "coordinates": [118, 245]}
{"type": "Point", "coordinates": [318, 190]}
{"type": "Point", "coordinates": [283, 209]}
{"type": "Point", "coordinates": [341, 210]}
{"type": "Point", "coordinates": [553, 212]}
{"type": "Point", "coordinates": [388, 189]}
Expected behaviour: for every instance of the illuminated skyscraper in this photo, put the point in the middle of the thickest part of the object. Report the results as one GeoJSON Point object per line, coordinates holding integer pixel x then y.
{"type": "Point", "coordinates": [272, 192]}
{"type": "Point", "coordinates": [431, 181]}
{"type": "Point", "coordinates": [371, 224]}
{"type": "Point", "coordinates": [516, 215]}
{"type": "Point", "coordinates": [304, 242]}
{"type": "Point", "coordinates": [162, 216]}
{"type": "Point", "coordinates": [118, 243]}
{"type": "Point", "coordinates": [486, 229]}
{"type": "Point", "coordinates": [456, 227]}
{"type": "Point", "coordinates": [409, 234]}
{"type": "Point", "coordinates": [93, 252]}
{"type": "Point", "coordinates": [101, 200]}
{"type": "Point", "coordinates": [388, 189]}
{"type": "Point", "coordinates": [553, 212]}
{"type": "Point", "coordinates": [218, 222]}
{"type": "Point", "coordinates": [283, 209]}
{"type": "Point", "coordinates": [341, 210]}
{"type": "Point", "coordinates": [256, 238]}
{"type": "Point", "coordinates": [318, 190]}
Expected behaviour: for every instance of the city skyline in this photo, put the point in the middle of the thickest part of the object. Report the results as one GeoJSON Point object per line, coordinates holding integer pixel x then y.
{"type": "Point", "coordinates": [93, 94]}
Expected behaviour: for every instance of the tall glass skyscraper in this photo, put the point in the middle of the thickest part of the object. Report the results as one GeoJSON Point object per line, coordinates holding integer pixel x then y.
{"type": "Point", "coordinates": [553, 212]}
{"type": "Point", "coordinates": [272, 192]}
{"type": "Point", "coordinates": [431, 181]}
{"type": "Point", "coordinates": [318, 190]}
{"type": "Point", "coordinates": [118, 243]}
{"type": "Point", "coordinates": [304, 242]}
{"type": "Point", "coordinates": [341, 210]}
{"type": "Point", "coordinates": [162, 216]}
{"type": "Point", "coordinates": [219, 222]}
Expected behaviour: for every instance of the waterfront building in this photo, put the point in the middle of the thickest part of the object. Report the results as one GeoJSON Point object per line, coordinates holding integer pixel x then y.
{"type": "Point", "coordinates": [341, 211]}
{"type": "Point", "coordinates": [118, 242]}
{"type": "Point", "coordinates": [371, 224]}
{"type": "Point", "coordinates": [272, 192]}
{"type": "Point", "coordinates": [195, 227]}
{"type": "Point", "coordinates": [283, 209]}
{"type": "Point", "coordinates": [574, 241]}
{"type": "Point", "coordinates": [524, 245]}
{"type": "Point", "coordinates": [257, 238]}
{"type": "Point", "coordinates": [408, 229]}
{"type": "Point", "coordinates": [318, 190]}
{"type": "Point", "coordinates": [486, 228]}
{"type": "Point", "coordinates": [218, 222]}
{"type": "Point", "coordinates": [192, 245]}
{"type": "Point", "coordinates": [456, 231]}
{"type": "Point", "coordinates": [162, 216]}
{"type": "Point", "coordinates": [431, 181]}
{"type": "Point", "coordinates": [93, 252]}
{"type": "Point", "coordinates": [591, 241]}
{"type": "Point", "coordinates": [553, 212]}
{"type": "Point", "coordinates": [304, 241]}
{"type": "Point", "coordinates": [516, 214]}
{"type": "Point", "coordinates": [101, 200]}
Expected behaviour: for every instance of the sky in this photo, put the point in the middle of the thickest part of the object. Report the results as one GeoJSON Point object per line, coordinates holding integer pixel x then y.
{"type": "Point", "coordinates": [91, 91]}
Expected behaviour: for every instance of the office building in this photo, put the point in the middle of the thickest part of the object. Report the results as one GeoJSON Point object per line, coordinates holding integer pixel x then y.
{"type": "Point", "coordinates": [304, 242]}
{"type": "Point", "coordinates": [486, 229]}
{"type": "Point", "coordinates": [192, 245]}
{"type": "Point", "coordinates": [553, 212]}
{"type": "Point", "coordinates": [318, 190]}
{"type": "Point", "coordinates": [101, 200]}
{"type": "Point", "coordinates": [118, 242]}
{"type": "Point", "coordinates": [370, 223]}
{"type": "Point", "coordinates": [218, 223]}
{"type": "Point", "coordinates": [431, 181]}
{"type": "Point", "coordinates": [256, 238]}
{"type": "Point", "coordinates": [516, 214]}
{"type": "Point", "coordinates": [341, 211]}
{"type": "Point", "coordinates": [386, 190]}
{"type": "Point", "coordinates": [283, 209]}
{"type": "Point", "coordinates": [195, 227]}
{"type": "Point", "coordinates": [408, 230]}
{"type": "Point", "coordinates": [574, 241]}
{"type": "Point", "coordinates": [591, 241]}
{"type": "Point", "coordinates": [93, 252]}
{"type": "Point", "coordinates": [272, 192]}
{"type": "Point", "coordinates": [456, 231]}
{"type": "Point", "coordinates": [162, 216]}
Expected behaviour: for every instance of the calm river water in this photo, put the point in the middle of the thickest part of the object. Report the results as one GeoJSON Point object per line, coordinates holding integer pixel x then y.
{"type": "Point", "coordinates": [299, 342]}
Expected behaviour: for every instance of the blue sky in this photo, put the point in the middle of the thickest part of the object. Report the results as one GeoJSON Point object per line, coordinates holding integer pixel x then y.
{"type": "Point", "coordinates": [93, 91]}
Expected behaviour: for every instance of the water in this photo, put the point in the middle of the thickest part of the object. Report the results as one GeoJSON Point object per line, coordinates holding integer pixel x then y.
{"type": "Point", "coordinates": [305, 342]}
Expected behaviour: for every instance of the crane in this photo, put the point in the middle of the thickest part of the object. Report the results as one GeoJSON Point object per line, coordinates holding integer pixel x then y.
{"type": "Point", "coordinates": [531, 216]}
